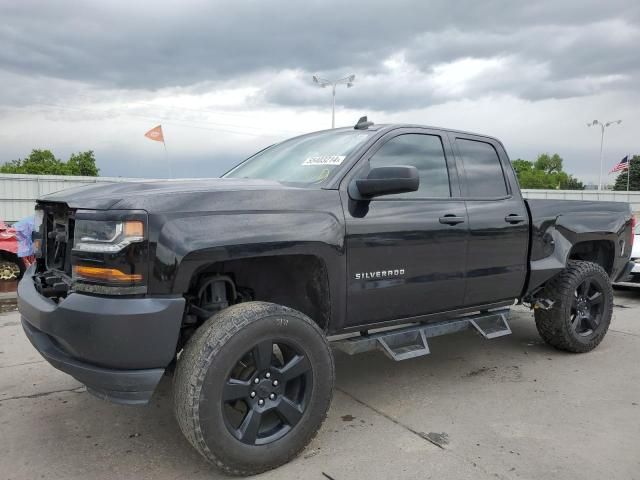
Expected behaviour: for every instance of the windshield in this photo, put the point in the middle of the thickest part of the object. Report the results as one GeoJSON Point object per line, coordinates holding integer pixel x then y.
{"type": "Point", "coordinates": [309, 159]}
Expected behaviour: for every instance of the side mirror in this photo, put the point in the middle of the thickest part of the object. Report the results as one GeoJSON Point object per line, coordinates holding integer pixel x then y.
{"type": "Point", "coordinates": [385, 181]}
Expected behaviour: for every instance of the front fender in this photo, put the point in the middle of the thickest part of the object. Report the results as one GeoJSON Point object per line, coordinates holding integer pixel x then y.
{"type": "Point", "coordinates": [187, 244]}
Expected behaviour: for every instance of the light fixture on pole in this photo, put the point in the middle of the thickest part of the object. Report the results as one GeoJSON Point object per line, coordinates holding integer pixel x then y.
{"type": "Point", "coordinates": [603, 126]}
{"type": "Point", "coordinates": [323, 82]}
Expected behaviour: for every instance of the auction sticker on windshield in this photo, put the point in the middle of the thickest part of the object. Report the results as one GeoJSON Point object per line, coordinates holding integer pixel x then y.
{"type": "Point", "coordinates": [324, 160]}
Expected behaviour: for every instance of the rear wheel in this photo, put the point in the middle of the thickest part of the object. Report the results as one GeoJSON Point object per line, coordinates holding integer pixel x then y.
{"type": "Point", "coordinates": [252, 386]}
{"type": "Point", "coordinates": [582, 309]}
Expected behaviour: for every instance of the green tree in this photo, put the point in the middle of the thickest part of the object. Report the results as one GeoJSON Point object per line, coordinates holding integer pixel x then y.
{"type": "Point", "coordinates": [529, 177]}
{"type": "Point", "coordinates": [522, 167]}
{"type": "Point", "coordinates": [82, 163]}
{"type": "Point", "coordinates": [43, 162]}
{"type": "Point", "coordinates": [634, 182]}
{"type": "Point", "coordinates": [569, 182]}
{"type": "Point", "coordinates": [38, 162]}
{"type": "Point", "coordinates": [546, 172]}
{"type": "Point", "coordinates": [549, 164]}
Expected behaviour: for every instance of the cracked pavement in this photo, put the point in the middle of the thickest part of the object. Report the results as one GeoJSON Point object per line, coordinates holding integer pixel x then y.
{"type": "Point", "coordinates": [505, 408]}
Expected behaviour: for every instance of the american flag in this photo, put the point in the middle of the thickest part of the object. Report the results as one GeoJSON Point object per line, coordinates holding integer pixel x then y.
{"type": "Point", "coordinates": [621, 165]}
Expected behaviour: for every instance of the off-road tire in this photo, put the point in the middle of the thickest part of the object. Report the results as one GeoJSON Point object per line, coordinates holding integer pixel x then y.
{"type": "Point", "coordinates": [554, 325]}
{"type": "Point", "coordinates": [203, 368]}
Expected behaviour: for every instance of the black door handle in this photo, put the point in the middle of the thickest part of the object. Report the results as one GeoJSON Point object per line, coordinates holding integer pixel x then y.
{"type": "Point", "coordinates": [451, 219]}
{"type": "Point", "coordinates": [514, 218]}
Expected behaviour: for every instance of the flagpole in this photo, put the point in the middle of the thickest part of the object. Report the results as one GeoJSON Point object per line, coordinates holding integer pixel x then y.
{"type": "Point", "coordinates": [167, 157]}
{"type": "Point", "coordinates": [628, 173]}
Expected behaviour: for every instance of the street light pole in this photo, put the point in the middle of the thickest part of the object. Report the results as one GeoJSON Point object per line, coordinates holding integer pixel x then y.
{"type": "Point", "coordinates": [602, 126]}
{"type": "Point", "coordinates": [333, 108]}
{"type": "Point", "coordinates": [601, 159]}
{"type": "Point", "coordinates": [322, 82]}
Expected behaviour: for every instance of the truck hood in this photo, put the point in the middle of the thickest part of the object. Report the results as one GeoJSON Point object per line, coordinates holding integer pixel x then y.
{"type": "Point", "coordinates": [128, 195]}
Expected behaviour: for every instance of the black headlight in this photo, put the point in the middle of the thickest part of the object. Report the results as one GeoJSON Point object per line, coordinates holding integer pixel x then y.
{"type": "Point", "coordinates": [110, 252]}
{"type": "Point", "coordinates": [106, 236]}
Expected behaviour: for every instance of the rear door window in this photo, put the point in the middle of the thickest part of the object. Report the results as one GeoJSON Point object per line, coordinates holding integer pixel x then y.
{"type": "Point", "coordinates": [483, 172]}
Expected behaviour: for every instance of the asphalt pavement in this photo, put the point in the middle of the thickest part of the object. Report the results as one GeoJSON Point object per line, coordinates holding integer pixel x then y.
{"type": "Point", "coordinates": [506, 408]}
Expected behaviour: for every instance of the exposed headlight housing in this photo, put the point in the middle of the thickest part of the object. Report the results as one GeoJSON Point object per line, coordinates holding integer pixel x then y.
{"type": "Point", "coordinates": [107, 236]}
{"type": "Point", "coordinates": [36, 236]}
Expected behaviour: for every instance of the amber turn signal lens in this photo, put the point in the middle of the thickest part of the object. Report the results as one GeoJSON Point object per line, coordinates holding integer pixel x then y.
{"type": "Point", "coordinates": [133, 228]}
{"type": "Point", "coordinates": [105, 274]}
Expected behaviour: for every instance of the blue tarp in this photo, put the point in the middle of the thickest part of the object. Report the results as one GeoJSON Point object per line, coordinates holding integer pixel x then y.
{"type": "Point", "coordinates": [24, 229]}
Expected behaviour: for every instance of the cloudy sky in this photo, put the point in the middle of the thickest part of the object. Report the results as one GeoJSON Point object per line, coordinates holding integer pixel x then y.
{"type": "Point", "coordinates": [228, 78]}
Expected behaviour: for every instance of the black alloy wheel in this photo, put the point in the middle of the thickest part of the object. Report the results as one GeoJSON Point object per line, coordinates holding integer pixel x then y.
{"type": "Point", "coordinates": [587, 308]}
{"type": "Point", "coordinates": [267, 392]}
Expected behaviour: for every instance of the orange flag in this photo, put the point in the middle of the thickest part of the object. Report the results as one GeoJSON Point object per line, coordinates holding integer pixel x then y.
{"type": "Point", "coordinates": [155, 134]}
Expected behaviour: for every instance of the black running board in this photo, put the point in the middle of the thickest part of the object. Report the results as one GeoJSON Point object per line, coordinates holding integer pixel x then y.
{"type": "Point", "coordinates": [410, 342]}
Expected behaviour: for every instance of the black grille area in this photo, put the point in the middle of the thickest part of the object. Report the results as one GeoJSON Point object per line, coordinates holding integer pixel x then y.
{"type": "Point", "coordinates": [58, 237]}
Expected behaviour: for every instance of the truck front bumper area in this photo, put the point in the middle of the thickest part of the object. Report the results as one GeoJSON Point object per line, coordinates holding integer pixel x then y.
{"type": "Point", "coordinates": [118, 347]}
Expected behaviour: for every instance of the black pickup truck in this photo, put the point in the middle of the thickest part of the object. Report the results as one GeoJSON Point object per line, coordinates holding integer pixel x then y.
{"type": "Point", "coordinates": [238, 286]}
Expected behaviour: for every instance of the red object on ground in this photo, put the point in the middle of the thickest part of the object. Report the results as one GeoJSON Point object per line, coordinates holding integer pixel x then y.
{"type": "Point", "coordinates": [8, 239]}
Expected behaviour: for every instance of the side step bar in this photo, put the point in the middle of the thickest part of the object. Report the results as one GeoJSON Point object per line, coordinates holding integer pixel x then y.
{"type": "Point", "coordinates": [410, 342]}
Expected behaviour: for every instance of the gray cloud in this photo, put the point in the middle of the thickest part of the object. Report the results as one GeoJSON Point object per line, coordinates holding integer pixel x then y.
{"type": "Point", "coordinates": [145, 45]}
{"type": "Point", "coordinates": [539, 62]}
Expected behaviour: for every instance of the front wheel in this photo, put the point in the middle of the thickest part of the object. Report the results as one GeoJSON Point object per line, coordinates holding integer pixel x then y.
{"type": "Point", "coordinates": [253, 386]}
{"type": "Point", "coordinates": [582, 308]}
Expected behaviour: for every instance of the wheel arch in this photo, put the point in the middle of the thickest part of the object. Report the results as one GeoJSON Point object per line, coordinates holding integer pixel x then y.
{"type": "Point", "coordinates": [601, 252]}
{"type": "Point", "coordinates": [298, 281]}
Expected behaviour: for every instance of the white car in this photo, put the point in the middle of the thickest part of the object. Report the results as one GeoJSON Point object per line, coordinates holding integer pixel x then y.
{"type": "Point", "coordinates": [633, 279]}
